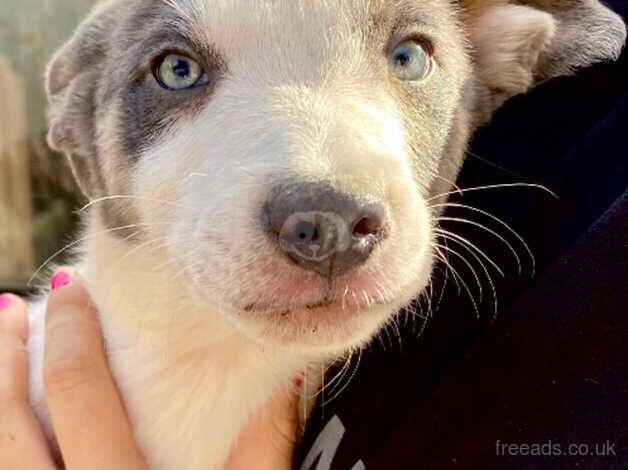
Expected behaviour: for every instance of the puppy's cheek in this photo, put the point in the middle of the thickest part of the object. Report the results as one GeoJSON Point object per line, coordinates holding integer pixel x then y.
{"type": "Point", "coordinates": [217, 240]}
{"type": "Point", "coordinates": [158, 178]}
{"type": "Point", "coordinates": [404, 269]}
{"type": "Point", "coordinates": [411, 244]}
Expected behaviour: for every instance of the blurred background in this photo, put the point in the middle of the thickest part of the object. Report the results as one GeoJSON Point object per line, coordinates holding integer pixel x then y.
{"type": "Point", "coordinates": [38, 197]}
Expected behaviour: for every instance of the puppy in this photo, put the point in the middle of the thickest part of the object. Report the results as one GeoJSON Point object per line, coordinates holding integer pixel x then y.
{"type": "Point", "coordinates": [263, 178]}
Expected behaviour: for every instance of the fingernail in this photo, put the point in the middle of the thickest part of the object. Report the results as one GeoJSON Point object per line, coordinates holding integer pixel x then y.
{"type": "Point", "coordinates": [299, 380]}
{"type": "Point", "coordinates": [5, 302]}
{"type": "Point", "coordinates": [59, 280]}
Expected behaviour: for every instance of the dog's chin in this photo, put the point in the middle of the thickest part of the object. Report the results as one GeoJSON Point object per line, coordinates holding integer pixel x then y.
{"type": "Point", "coordinates": [316, 329]}
{"type": "Point", "coordinates": [302, 312]}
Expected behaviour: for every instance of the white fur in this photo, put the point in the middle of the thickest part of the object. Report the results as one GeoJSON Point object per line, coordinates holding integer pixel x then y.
{"type": "Point", "coordinates": [190, 364]}
{"type": "Point", "coordinates": [188, 380]}
{"type": "Point", "coordinates": [300, 100]}
{"type": "Point", "coordinates": [263, 125]}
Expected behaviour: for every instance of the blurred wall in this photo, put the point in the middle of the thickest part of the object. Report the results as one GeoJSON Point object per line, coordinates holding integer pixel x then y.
{"type": "Point", "coordinates": [37, 192]}
{"type": "Point", "coordinates": [30, 31]}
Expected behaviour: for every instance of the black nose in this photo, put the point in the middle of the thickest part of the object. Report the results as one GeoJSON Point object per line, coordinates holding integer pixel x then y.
{"type": "Point", "coordinates": [322, 229]}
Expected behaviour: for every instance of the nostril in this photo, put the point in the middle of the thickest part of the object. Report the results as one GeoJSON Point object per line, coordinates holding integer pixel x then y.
{"type": "Point", "coordinates": [306, 232]}
{"type": "Point", "coordinates": [366, 226]}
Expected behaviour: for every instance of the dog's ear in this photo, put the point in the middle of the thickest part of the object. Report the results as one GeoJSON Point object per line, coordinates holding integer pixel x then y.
{"type": "Point", "coordinates": [508, 41]}
{"type": "Point", "coordinates": [518, 45]}
{"type": "Point", "coordinates": [71, 82]}
{"type": "Point", "coordinates": [587, 32]}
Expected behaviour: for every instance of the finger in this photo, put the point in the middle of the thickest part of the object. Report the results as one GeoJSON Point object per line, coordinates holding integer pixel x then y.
{"type": "Point", "coordinates": [14, 328]}
{"type": "Point", "coordinates": [87, 413]}
{"type": "Point", "coordinates": [268, 442]}
{"type": "Point", "coordinates": [22, 441]}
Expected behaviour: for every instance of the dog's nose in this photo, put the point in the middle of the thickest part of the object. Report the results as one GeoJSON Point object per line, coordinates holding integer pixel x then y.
{"type": "Point", "coordinates": [322, 229]}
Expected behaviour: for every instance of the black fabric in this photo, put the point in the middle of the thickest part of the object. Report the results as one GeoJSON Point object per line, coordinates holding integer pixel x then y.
{"type": "Point", "coordinates": [552, 366]}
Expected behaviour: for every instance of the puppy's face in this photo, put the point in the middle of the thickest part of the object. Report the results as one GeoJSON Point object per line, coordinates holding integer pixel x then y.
{"type": "Point", "coordinates": [287, 152]}
{"type": "Point", "coordinates": [301, 163]}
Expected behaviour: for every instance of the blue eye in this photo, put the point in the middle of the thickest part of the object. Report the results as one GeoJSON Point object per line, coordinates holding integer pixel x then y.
{"type": "Point", "coordinates": [410, 61]}
{"type": "Point", "coordinates": [178, 72]}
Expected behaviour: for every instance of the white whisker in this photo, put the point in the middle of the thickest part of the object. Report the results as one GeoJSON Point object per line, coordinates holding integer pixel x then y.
{"type": "Point", "coordinates": [442, 231]}
{"type": "Point", "coordinates": [488, 230]}
{"type": "Point", "coordinates": [464, 285]}
{"type": "Point", "coordinates": [501, 222]}
{"type": "Point", "coordinates": [75, 243]}
{"type": "Point", "coordinates": [469, 266]}
{"type": "Point", "coordinates": [125, 196]}
{"type": "Point", "coordinates": [355, 370]}
{"type": "Point", "coordinates": [482, 265]}
{"type": "Point", "coordinates": [495, 186]}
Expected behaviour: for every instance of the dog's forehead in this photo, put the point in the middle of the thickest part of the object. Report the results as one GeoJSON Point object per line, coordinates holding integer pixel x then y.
{"type": "Point", "coordinates": [233, 23]}
{"type": "Point", "coordinates": [254, 48]}
{"type": "Point", "coordinates": [260, 11]}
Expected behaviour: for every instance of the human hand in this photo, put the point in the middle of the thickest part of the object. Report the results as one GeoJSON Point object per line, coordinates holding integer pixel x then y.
{"type": "Point", "coordinates": [88, 416]}
{"type": "Point", "coordinates": [89, 420]}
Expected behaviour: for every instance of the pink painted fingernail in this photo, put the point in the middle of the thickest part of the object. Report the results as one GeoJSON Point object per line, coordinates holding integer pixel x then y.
{"type": "Point", "coordinates": [5, 302]}
{"type": "Point", "coordinates": [59, 280]}
{"type": "Point", "coordinates": [300, 379]}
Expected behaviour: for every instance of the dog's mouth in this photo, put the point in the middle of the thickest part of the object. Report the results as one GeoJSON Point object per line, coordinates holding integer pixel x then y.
{"type": "Point", "coordinates": [323, 326]}
{"type": "Point", "coordinates": [315, 306]}
{"type": "Point", "coordinates": [323, 303]}
{"type": "Point", "coordinates": [349, 294]}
